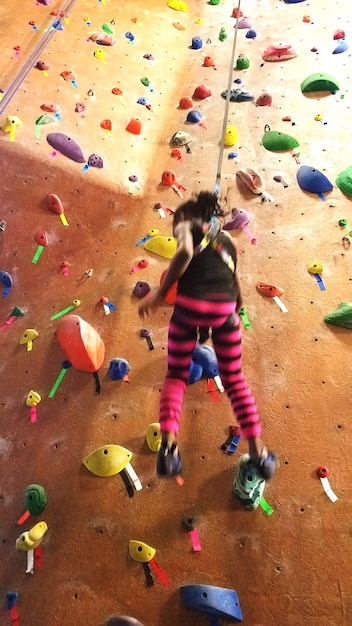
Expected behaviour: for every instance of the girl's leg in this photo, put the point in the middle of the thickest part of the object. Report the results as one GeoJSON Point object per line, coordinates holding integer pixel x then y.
{"type": "Point", "coordinates": [228, 347]}
{"type": "Point", "coordinates": [181, 343]}
{"type": "Point", "coordinates": [227, 342]}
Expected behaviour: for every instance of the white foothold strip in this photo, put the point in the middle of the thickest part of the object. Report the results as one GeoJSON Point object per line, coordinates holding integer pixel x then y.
{"type": "Point", "coordinates": [30, 562]}
{"type": "Point", "coordinates": [219, 384]}
{"type": "Point", "coordinates": [329, 492]}
{"type": "Point", "coordinates": [133, 476]}
{"type": "Point", "coordinates": [280, 304]}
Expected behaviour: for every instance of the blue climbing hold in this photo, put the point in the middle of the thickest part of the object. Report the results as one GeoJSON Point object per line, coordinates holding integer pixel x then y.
{"type": "Point", "coordinates": [7, 281]}
{"type": "Point", "coordinates": [212, 600]}
{"type": "Point", "coordinates": [251, 34]}
{"type": "Point", "coordinates": [118, 369]}
{"type": "Point", "coordinates": [11, 599]}
{"type": "Point", "coordinates": [197, 43]}
{"type": "Point", "coordinates": [194, 116]}
{"type": "Point", "coordinates": [195, 373]}
{"type": "Point", "coordinates": [342, 46]}
{"type": "Point", "coordinates": [205, 356]}
{"type": "Point", "coordinates": [312, 180]}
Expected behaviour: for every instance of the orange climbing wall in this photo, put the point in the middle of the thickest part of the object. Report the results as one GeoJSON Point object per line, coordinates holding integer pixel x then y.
{"type": "Point", "coordinates": [290, 568]}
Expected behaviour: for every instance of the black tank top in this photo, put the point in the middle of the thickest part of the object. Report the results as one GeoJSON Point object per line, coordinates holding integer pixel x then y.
{"type": "Point", "coordinates": [207, 277]}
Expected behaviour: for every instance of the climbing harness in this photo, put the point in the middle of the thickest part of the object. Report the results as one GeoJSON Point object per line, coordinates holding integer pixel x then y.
{"type": "Point", "coordinates": [211, 237]}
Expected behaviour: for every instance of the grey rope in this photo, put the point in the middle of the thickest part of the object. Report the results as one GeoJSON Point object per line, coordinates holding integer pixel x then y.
{"type": "Point", "coordinates": [33, 57]}
{"type": "Point", "coordinates": [226, 113]}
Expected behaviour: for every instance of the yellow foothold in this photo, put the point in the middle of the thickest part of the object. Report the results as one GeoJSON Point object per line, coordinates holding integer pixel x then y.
{"type": "Point", "coordinates": [161, 245]}
{"type": "Point", "coordinates": [315, 268]}
{"type": "Point", "coordinates": [32, 538]}
{"type": "Point", "coordinates": [178, 5]}
{"type": "Point", "coordinates": [231, 136]}
{"type": "Point", "coordinates": [76, 302]}
{"type": "Point", "coordinates": [33, 398]}
{"type": "Point", "coordinates": [140, 551]}
{"type": "Point", "coordinates": [153, 436]}
{"type": "Point", "coordinates": [12, 121]}
{"type": "Point", "coordinates": [318, 117]}
{"type": "Point", "coordinates": [199, 20]}
{"type": "Point", "coordinates": [107, 460]}
{"type": "Point", "coordinates": [28, 337]}
{"type": "Point", "coordinates": [100, 54]}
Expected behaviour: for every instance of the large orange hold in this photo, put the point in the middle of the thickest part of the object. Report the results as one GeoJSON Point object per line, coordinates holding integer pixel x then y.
{"type": "Point", "coordinates": [81, 343]}
{"type": "Point", "coordinates": [171, 294]}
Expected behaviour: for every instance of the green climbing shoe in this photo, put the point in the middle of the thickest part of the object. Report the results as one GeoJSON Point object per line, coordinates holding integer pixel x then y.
{"type": "Point", "coordinates": [249, 484]}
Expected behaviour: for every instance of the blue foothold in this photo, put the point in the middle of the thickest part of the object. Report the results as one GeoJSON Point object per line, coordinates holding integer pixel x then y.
{"type": "Point", "coordinates": [194, 116]}
{"type": "Point", "coordinates": [195, 373]}
{"type": "Point", "coordinates": [118, 369]}
{"type": "Point", "coordinates": [206, 357]}
{"type": "Point", "coordinates": [212, 600]}
{"type": "Point", "coordinates": [11, 599]}
{"type": "Point", "coordinates": [251, 34]}
{"type": "Point", "coordinates": [197, 43]}
{"type": "Point", "coordinates": [341, 47]}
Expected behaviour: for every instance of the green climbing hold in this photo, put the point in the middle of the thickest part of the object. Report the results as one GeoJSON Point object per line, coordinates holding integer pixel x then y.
{"type": "Point", "coordinates": [276, 141]}
{"type": "Point", "coordinates": [45, 119]}
{"type": "Point", "coordinates": [107, 29]}
{"type": "Point", "coordinates": [320, 82]}
{"type": "Point", "coordinates": [36, 499]}
{"type": "Point", "coordinates": [213, 2]}
{"type": "Point", "coordinates": [222, 34]}
{"type": "Point", "coordinates": [242, 62]}
{"type": "Point", "coordinates": [341, 317]}
{"type": "Point", "coordinates": [344, 181]}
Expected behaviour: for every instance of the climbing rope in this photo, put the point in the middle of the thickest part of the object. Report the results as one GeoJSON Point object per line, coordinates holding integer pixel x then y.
{"type": "Point", "coordinates": [34, 56]}
{"type": "Point", "coordinates": [227, 102]}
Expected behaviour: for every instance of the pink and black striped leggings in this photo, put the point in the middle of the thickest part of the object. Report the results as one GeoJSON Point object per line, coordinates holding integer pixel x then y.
{"type": "Point", "coordinates": [190, 314]}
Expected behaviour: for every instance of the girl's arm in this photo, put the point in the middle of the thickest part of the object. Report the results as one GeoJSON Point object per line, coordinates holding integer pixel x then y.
{"type": "Point", "coordinates": [178, 265]}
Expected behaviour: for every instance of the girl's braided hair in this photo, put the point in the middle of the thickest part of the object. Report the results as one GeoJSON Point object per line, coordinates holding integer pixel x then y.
{"type": "Point", "coordinates": [203, 207]}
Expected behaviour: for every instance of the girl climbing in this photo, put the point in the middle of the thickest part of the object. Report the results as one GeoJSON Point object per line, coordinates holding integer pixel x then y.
{"type": "Point", "coordinates": [208, 299]}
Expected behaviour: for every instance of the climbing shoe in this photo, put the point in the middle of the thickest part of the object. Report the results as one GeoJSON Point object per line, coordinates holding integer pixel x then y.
{"type": "Point", "coordinates": [267, 464]}
{"type": "Point", "coordinates": [249, 483]}
{"type": "Point", "coordinates": [238, 95]}
{"type": "Point", "coordinates": [169, 460]}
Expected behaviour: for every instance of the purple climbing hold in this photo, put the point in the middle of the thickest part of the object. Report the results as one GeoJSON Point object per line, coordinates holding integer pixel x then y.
{"type": "Point", "coordinates": [66, 145]}
{"type": "Point", "coordinates": [95, 161]}
{"type": "Point", "coordinates": [141, 289]}
{"type": "Point", "coordinates": [123, 620]}
{"type": "Point", "coordinates": [240, 218]}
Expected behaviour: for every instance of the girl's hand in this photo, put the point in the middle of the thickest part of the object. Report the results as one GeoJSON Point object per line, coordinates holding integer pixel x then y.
{"type": "Point", "coordinates": [150, 304]}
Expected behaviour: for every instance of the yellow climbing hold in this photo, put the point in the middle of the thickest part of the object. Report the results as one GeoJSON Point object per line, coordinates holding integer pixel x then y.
{"type": "Point", "coordinates": [107, 460]}
{"type": "Point", "coordinates": [178, 5]}
{"type": "Point", "coordinates": [32, 538]}
{"type": "Point", "coordinates": [140, 551]}
{"type": "Point", "coordinates": [231, 136]}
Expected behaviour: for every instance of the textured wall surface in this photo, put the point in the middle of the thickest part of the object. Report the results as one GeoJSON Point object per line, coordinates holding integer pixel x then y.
{"type": "Point", "coordinates": [291, 568]}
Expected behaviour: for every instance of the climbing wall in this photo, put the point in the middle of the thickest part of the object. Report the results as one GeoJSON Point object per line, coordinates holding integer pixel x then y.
{"type": "Point", "coordinates": [91, 123]}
